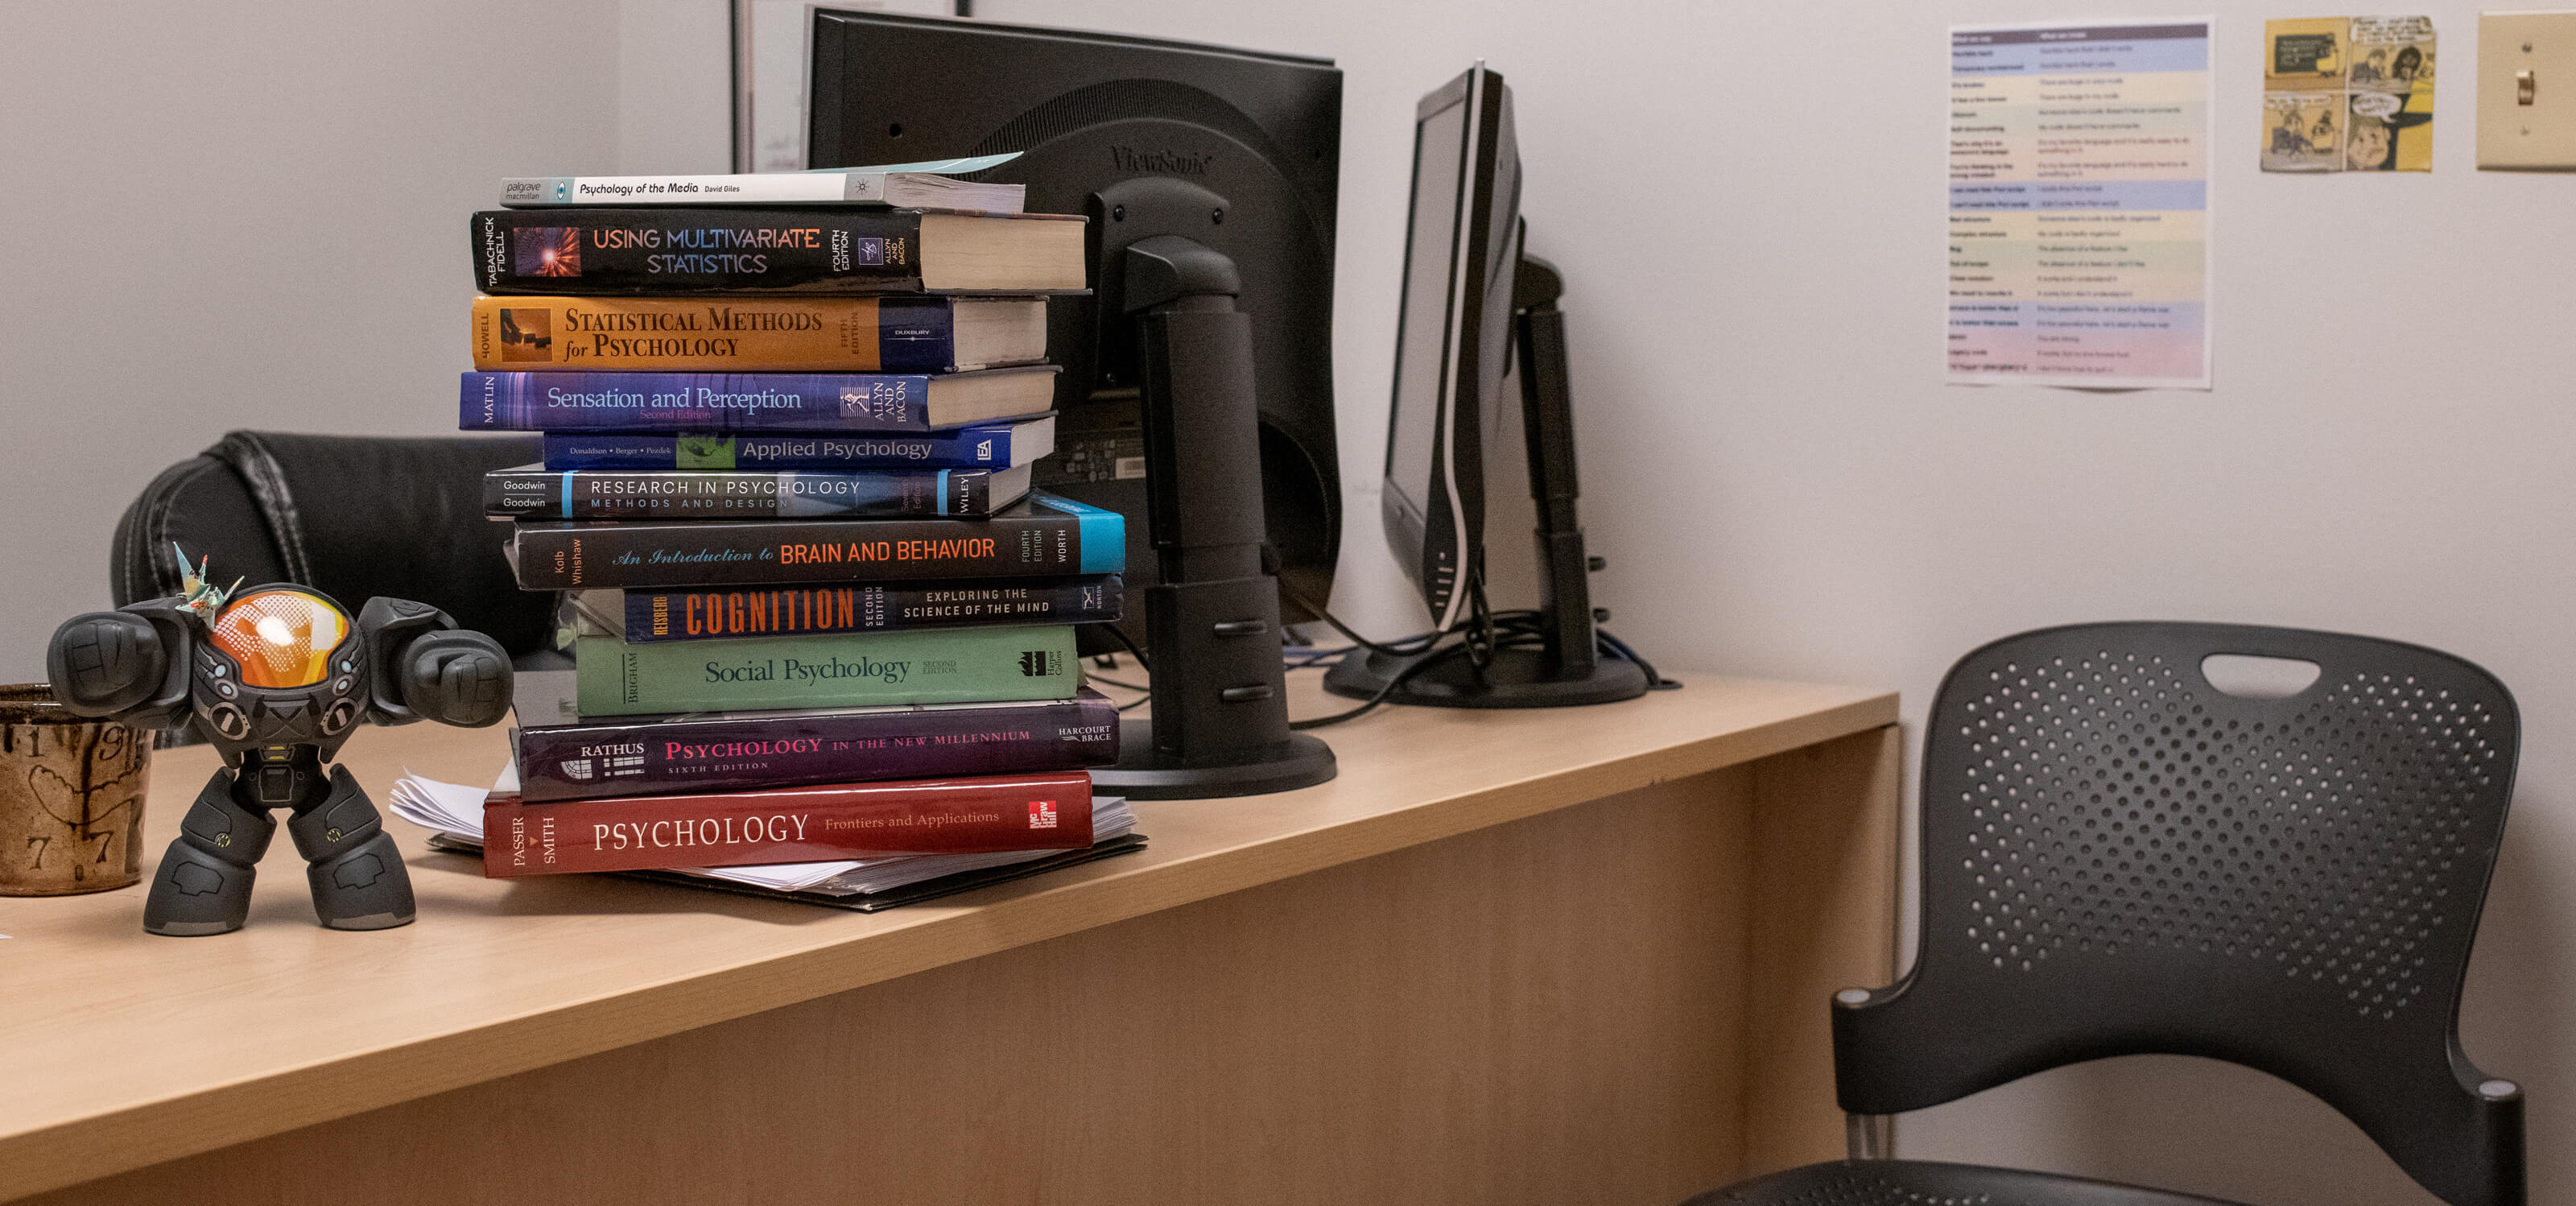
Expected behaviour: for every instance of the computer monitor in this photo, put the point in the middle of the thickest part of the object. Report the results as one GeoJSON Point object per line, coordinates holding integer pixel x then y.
{"type": "Point", "coordinates": [1452, 325]}
{"type": "Point", "coordinates": [1471, 297]}
{"type": "Point", "coordinates": [1197, 397]}
{"type": "Point", "coordinates": [1238, 149]}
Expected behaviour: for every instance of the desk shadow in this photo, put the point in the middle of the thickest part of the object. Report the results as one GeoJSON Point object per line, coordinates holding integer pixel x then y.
{"type": "Point", "coordinates": [268, 911]}
{"type": "Point", "coordinates": [595, 895]}
{"type": "Point", "coordinates": [102, 925]}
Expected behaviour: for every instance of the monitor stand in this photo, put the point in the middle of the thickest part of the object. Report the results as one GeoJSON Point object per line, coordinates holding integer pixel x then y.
{"type": "Point", "coordinates": [1220, 722]}
{"type": "Point", "coordinates": [1566, 670]}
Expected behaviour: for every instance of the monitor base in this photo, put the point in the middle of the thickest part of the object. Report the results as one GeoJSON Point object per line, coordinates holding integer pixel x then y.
{"type": "Point", "coordinates": [1515, 678]}
{"type": "Point", "coordinates": [1143, 774]}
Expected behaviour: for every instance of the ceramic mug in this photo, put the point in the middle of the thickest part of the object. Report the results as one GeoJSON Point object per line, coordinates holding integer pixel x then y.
{"type": "Point", "coordinates": [71, 797]}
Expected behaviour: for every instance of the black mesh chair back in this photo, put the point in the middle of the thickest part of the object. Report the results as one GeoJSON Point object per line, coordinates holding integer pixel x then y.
{"type": "Point", "coordinates": [351, 516]}
{"type": "Point", "coordinates": [2119, 858]}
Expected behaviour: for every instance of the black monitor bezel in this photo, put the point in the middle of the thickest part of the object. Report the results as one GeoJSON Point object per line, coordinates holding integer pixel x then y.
{"type": "Point", "coordinates": [1440, 548]}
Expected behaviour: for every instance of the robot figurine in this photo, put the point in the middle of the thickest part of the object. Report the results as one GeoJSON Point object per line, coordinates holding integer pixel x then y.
{"type": "Point", "coordinates": [277, 677]}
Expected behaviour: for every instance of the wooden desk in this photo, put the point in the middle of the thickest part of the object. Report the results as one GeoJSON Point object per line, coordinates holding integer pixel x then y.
{"type": "Point", "coordinates": [1558, 956]}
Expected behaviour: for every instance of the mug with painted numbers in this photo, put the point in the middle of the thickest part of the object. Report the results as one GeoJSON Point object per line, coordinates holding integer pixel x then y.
{"type": "Point", "coordinates": [71, 798]}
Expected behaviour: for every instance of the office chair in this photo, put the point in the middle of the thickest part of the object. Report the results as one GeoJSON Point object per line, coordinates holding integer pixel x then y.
{"type": "Point", "coordinates": [351, 516]}
{"type": "Point", "coordinates": [2119, 858]}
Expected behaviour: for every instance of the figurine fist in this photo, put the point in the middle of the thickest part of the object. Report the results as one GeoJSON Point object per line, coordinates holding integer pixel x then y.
{"type": "Point", "coordinates": [105, 662]}
{"type": "Point", "coordinates": [456, 677]}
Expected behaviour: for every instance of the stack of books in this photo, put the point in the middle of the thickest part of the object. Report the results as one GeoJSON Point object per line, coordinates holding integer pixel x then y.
{"type": "Point", "coordinates": [813, 616]}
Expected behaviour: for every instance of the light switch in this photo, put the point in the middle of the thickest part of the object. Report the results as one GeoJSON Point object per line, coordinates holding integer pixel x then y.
{"type": "Point", "coordinates": [2527, 91]}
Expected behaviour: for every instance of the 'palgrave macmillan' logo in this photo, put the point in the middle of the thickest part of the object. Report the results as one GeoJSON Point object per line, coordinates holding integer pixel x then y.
{"type": "Point", "coordinates": [1169, 163]}
{"type": "Point", "coordinates": [1041, 814]}
{"type": "Point", "coordinates": [1041, 663]}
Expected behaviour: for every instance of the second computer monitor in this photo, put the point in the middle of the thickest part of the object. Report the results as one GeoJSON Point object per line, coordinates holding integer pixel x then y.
{"type": "Point", "coordinates": [1454, 325]}
{"type": "Point", "coordinates": [1239, 150]}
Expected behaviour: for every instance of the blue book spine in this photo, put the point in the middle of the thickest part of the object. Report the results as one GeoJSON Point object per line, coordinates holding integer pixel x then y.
{"type": "Point", "coordinates": [712, 402]}
{"type": "Point", "coordinates": [985, 447]}
{"type": "Point", "coordinates": [916, 335]}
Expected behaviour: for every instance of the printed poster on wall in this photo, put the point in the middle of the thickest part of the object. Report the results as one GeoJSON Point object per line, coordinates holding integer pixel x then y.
{"type": "Point", "coordinates": [2079, 204]}
{"type": "Point", "coordinates": [2348, 94]}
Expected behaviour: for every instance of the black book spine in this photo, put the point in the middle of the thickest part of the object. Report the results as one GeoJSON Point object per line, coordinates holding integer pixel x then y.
{"type": "Point", "coordinates": [750, 752]}
{"type": "Point", "coordinates": [588, 251]}
{"type": "Point", "coordinates": [705, 615]}
{"type": "Point", "coordinates": [528, 493]}
{"type": "Point", "coordinates": [584, 556]}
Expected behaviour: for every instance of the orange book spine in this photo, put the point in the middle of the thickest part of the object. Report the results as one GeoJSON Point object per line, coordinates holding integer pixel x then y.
{"type": "Point", "coordinates": [704, 334]}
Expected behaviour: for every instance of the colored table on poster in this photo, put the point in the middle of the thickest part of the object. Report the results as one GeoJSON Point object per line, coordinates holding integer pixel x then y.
{"type": "Point", "coordinates": [2079, 204]}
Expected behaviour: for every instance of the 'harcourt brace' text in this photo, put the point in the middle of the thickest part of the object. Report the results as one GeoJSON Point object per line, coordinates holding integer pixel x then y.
{"type": "Point", "coordinates": [788, 669]}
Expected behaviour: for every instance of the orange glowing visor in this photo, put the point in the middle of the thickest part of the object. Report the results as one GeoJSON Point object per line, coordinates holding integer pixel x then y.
{"type": "Point", "coordinates": [282, 638]}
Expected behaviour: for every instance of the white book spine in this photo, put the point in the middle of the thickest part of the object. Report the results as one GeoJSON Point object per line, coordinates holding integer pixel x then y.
{"type": "Point", "coordinates": [768, 188]}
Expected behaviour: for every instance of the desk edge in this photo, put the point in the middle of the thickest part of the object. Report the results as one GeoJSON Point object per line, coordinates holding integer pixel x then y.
{"type": "Point", "coordinates": [117, 1140]}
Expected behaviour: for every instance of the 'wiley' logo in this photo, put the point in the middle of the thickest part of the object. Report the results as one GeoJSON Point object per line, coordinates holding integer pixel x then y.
{"type": "Point", "coordinates": [1169, 163]}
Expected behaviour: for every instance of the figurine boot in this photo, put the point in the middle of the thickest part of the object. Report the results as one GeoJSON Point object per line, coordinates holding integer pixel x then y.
{"type": "Point", "coordinates": [359, 881]}
{"type": "Point", "coordinates": [203, 883]}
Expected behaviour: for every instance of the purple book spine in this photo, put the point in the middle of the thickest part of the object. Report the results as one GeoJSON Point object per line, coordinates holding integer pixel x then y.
{"type": "Point", "coordinates": [884, 402]}
{"type": "Point", "coordinates": [748, 752]}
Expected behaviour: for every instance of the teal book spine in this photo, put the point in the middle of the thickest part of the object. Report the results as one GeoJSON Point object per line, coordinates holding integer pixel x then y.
{"type": "Point", "coordinates": [855, 670]}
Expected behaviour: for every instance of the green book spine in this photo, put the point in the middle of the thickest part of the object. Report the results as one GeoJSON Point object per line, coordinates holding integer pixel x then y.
{"type": "Point", "coordinates": [849, 670]}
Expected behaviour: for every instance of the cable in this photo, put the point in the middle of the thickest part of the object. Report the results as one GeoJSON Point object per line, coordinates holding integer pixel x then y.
{"type": "Point", "coordinates": [1399, 680]}
{"type": "Point", "coordinates": [1389, 648]}
{"type": "Point", "coordinates": [1145, 694]}
{"type": "Point", "coordinates": [1121, 635]}
{"type": "Point", "coordinates": [1619, 649]}
{"type": "Point", "coordinates": [1319, 657]}
{"type": "Point", "coordinates": [1481, 633]}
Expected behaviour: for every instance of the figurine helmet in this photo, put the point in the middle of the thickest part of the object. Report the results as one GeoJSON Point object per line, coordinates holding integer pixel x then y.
{"type": "Point", "coordinates": [280, 663]}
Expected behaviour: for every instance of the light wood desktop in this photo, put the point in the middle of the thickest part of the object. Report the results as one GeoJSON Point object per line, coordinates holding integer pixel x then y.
{"type": "Point", "coordinates": [1552, 956]}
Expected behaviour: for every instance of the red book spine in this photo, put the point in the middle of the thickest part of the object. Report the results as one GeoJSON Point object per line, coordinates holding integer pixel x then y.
{"type": "Point", "coordinates": [788, 825]}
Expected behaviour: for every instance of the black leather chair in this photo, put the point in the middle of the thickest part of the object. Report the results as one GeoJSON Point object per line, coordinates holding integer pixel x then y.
{"type": "Point", "coordinates": [351, 516]}
{"type": "Point", "coordinates": [2119, 858]}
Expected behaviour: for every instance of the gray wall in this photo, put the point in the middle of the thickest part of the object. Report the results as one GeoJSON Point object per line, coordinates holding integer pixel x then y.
{"type": "Point", "coordinates": [220, 216]}
{"type": "Point", "coordinates": [1747, 201]}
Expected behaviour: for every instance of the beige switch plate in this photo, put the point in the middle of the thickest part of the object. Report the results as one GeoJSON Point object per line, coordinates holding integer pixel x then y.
{"type": "Point", "coordinates": [2540, 136]}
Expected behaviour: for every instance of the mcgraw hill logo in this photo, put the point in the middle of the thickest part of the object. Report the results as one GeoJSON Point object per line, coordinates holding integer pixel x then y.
{"type": "Point", "coordinates": [1041, 814]}
{"type": "Point", "coordinates": [1042, 663]}
{"type": "Point", "coordinates": [1169, 163]}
